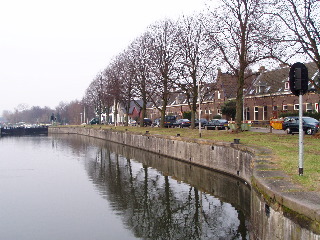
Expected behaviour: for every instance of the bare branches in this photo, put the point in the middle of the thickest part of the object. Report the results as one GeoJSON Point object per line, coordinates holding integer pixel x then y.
{"type": "Point", "coordinates": [175, 57]}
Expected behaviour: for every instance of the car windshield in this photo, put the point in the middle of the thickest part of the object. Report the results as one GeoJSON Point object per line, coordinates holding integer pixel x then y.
{"type": "Point", "coordinates": [310, 120]}
{"type": "Point", "coordinates": [170, 118]}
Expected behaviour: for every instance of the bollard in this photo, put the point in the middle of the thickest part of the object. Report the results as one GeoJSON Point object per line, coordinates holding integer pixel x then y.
{"type": "Point", "coordinates": [236, 141]}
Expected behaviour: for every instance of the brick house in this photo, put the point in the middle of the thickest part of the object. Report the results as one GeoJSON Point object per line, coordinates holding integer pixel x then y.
{"type": "Point", "coordinates": [270, 95]}
{"type": "Point", "coordinates": [266, 94]}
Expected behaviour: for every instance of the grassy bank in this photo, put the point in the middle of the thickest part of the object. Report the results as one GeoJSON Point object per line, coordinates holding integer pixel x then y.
{"type": "Point", "coordinates": [285, 148]}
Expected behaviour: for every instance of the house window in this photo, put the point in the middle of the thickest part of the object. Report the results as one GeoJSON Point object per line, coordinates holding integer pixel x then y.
{"type": "Point", "coordinates": [275, 108]}
{"type": "Point", "coordinates": [219, 111]}
{"type": "Point", "coordinates": [285, 107]}
{"type": "Point", "coordinates": [316, 107]}
{"type": "Point", "coordinates": [256, 113]}
{"type": "Point", "coordinates": [247, 113]}
{"type": "Point", "coordinates": [219, 95]}
{"type": "Point", "coordinates": [262, 88]}
{"type": "Point", "coordinates": [296, 107]}
{"type": "Point", "coordinates": [309, 107]}
{"type": "Point", "coordinates": [286, 86]}
{"type": "Point", "coordinates": [265, 112]}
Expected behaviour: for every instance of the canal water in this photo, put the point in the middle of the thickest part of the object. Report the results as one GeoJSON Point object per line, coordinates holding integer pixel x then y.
{"type": "Point", "coordinates": [76, 187]}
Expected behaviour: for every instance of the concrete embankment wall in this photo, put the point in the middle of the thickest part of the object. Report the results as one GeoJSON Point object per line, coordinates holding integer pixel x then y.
{"type": "Point", "coordinates": [279, 209]}
{"type": "Point", "coordinates": [228, 158]}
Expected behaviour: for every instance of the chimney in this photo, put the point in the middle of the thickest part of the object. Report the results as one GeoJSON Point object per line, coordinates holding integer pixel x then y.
{"type": "Point", "coordinates": [262, 69]}
{"type": "Point", "coordinates": [219, 71]}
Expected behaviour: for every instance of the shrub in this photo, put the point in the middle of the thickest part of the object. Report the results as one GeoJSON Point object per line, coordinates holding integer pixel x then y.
{"type": "Point", "coordinates": [315, 115]}
{"type": "Point", "coordinates": [186, 115]}
{"type": "Point", "coordinates": [217, 116]}
{"type": "Point", "coordinates": [229, 109]}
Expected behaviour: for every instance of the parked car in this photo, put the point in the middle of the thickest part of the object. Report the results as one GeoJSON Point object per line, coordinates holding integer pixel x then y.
{"type": "Point", "coordinates": [147, 122]}
{"type": "Point", "coordinates": [218, 124]}
{"type": "Point", "coordinates": [94, 121]}
{"type": "Point", "coordinates": [291, 125]}
{"type": "Point", "coordinates": [169, 120]}
{"type": "Point", "coordinates": [133, 123]}
{"type": "Point", "coordinates": [203, 122]}
{"type": "Point", "coordinates": [156, 122]}
{"type": "Point", "coordinates": [181, 123]}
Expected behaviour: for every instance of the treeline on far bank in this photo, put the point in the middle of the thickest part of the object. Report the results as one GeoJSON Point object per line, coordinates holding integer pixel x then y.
{"type": "Point", "coordinates": [74, 112]}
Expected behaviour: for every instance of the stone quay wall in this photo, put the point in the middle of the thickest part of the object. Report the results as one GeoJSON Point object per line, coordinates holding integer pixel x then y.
{"type": "Point", "coordinates": [282, 211]}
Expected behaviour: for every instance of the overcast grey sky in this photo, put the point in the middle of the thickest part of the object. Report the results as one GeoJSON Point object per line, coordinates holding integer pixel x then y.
{"type": "Point", "coordinates": [50, 50]}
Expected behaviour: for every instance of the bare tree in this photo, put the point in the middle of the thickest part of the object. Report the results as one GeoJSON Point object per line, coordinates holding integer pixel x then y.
{"type": "Point", "coordinates": [194, 62]}
{"type": "Point", "coordinates": [113, 85]}
{"type": "Point", "coordinates": [126, 69]}
{"type": "Point", "coordinates": [163, 56]}
{"type": "Point", "coordinates": [299, 25]}
{"type": "Point", "coordinates": [140, 62]}
{"type": "Point", "coordinates": [235, 32]}
{"type": "Point", "coordinates": [95, 95]}
{"type": "Point", "coordinates": [121, 77]}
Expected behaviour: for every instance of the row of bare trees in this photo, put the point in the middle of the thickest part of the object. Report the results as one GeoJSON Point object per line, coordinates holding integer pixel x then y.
{"type": "Point", "coordinates": [179, 55]}
{"type": "Point", "coordinates": [170, 55]}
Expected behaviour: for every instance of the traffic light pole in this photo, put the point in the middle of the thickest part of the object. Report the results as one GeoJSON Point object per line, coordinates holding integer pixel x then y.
{"type": "Point", "coordinates": [298, 82]}
{"type": "Point", "coordinates": [301, 133]}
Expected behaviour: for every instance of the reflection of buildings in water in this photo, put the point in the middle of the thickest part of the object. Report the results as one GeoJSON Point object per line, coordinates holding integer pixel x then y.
{"type": "Point", "coordinates": [153, 198]}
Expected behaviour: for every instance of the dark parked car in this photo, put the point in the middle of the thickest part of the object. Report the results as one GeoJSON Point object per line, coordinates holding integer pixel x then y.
{"type": "Point", "coordinates": [147, 122]}
{"type": "Point", "coordinates": [94, 121]}
{"type": "Point", "coordinates": [182, 123]}
{"type": "Point", "coordinates": [203, 122]}
{"type": "Point", "coordinates": [217, 124]}
{"type": "Point", "coordinates": [169, 120]}
{"type": "Point", "coordinates": [291, 125]}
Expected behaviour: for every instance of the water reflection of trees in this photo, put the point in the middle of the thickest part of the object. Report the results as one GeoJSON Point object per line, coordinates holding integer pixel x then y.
{"type": "Point", "coordinates": [154, 203]}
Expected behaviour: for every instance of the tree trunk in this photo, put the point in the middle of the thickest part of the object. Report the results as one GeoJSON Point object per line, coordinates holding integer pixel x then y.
{"type": "Point", "coordinates": [239, 101]}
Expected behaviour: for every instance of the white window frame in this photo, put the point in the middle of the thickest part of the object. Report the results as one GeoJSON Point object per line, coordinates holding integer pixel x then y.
{"type": "Point", "coordinates": [256, 112]}
{"type": "Point", "coordinates": [246, 111]}
{"type": "Point", "coordinates": [316, 107]}
{"type": "Point", "coordinates": [286, 86]}
{"type": "Point", "coordinates": [219, 95]}
{"type": "Point", "coordinates": [296, 107]}
{"type": "Point", "coordinates": [309, 107]}
{"type": "Point", "coordinates": [285, 107]}
{"type": "Point", "coordinates": [265, 112]}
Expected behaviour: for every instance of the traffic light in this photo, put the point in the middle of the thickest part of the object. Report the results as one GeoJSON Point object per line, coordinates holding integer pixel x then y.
{"type": "Point", "coordinates": [298, 79]}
